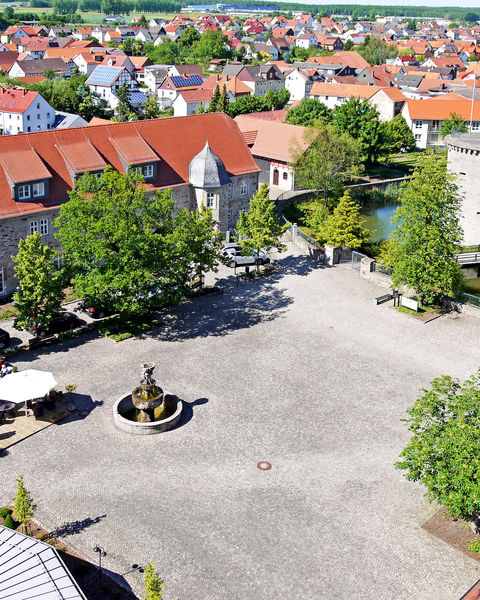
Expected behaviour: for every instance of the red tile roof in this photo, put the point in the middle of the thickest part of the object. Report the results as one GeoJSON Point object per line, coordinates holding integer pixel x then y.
{"type": "Point", "coordinates": [37, 155]}
{"type": "Point", "coordinates": [16, 100]}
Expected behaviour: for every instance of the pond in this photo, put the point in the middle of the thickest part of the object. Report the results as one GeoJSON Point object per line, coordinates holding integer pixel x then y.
{"type": "Point", "coordinates": [378, 219]}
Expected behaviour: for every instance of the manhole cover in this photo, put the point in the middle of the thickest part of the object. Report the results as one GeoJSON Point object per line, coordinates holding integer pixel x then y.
{"type": "Point", "coordinates": [264, 465]}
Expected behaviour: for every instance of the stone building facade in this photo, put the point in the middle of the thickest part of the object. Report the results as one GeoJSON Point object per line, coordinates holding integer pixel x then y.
{"type": "Point", "coordinates": [203, 159]}
{"type": "Point", "coordinates": [464, 162]}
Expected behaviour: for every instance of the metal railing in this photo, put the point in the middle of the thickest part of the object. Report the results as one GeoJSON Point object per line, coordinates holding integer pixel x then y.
{"type": "Point", "coordinates": [467, 258]}
{"type": "Point", "coordinates": [379, 268]}
{"type": "Point", "coordinates": [471, 299]}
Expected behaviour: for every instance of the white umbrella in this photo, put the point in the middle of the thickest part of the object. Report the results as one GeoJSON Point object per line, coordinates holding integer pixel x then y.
{"type": "Point", "coordinates": [25, 385]}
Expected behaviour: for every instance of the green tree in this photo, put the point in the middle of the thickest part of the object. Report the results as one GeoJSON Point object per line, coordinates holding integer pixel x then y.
{"type": "Point", "coordinates": [212, 44]}
{"type": "Point", "coordinates": [259, 227]}
{"type": "Point", "coordinates": [223, 101]}
{"type": "Point", "coordinates": [360, 119]}
{"type": "Point", "coordinates": [119, 242]}
{"type": "Point", "coordinates": [308, 112]}
{"type": "Point", "coordinates": [153, 583]}
{"type": "Point", "coordinates": [472, 17]}
{"type": "Point", "coordinates": [151, 108]}
{"type": "Point", "coordinates": [245, 104]}
{"type": "Point", "coordinates": [330, 159]}
{"type": "Point", "coordinates": [428, 232]}
{"type": "Point", "coordinates": [64, 7]}
{"type": "Point", "coordinates": [397, 136]}
{"type": "Point", "coordinates": [283, 96]}
{"type": "Point", "coordinates": [124, 108]}
{"type": "Point", "coordinates": [348, 45]}
{"type": "Point", "coordinates": [198, 241]}
{"type": "Point", "coordinates": [23, 505]}
{"type": "Point", "coordinates": [454, 123]}
{"type": "Point", "coordinates": [345, 226]}
{"type": "Point", "coordinates": [188, 38]}
{"type": "Point", "coordinates": [213, 106]}
{"type": "Point", "coordinates": [40, 295]}
{"type": "Point", "coordinates": [443, 451]}
{"type": "Point", "coordinates": [376, 51]}
{"type": "Point", "coordinates": [166, 53]}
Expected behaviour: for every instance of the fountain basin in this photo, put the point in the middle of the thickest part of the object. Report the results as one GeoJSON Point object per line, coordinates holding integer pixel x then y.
{"type": "Point", "coordinates": [124, 406]}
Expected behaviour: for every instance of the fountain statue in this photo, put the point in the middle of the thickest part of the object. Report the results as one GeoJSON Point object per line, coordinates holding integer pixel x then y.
{"type": "Point", "coordinates": [148, 409]}
{"type": "Point", "coordinates": [147, 396]}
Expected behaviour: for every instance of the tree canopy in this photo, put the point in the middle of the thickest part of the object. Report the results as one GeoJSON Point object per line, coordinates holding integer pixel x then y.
{"type": "Point", "coordinates": [40, 295]}
{"type": "Point", "coordinates": [359, 118]}
{"type": "Point", "coordinates": [454, 123]}
{"type": "Point", "coordinates": [443, 451]}
{"type": "Point", "coordinates": [308, 112]}
{"type": "Point", "coordinates": [331, 159]}
{"type": "Point", "coordinates": [259, 228]}
{"type": "Point", "coordinates": [345, 226]}
{"type": "Point", "coordinates": [428, 232]}
{"type": "Point", "coordinates": [126, 249]}
{"type": "Point", "coordinates": [397, 136]}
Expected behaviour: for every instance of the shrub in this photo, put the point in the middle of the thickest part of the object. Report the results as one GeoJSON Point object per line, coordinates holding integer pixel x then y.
{"type": "Point", "coordinates": [474, 545]}
{"type": "Point", "coordinates": [9, 522]}
{"type": "Point", "coordinates": [43, 536]}
{"type": "Point", "coordinates": [4, 512]}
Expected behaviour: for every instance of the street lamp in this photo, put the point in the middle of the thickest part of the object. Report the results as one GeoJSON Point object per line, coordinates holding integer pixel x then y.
{"type": "Point", "coordinates": [137, 568]}
{"type": "Point", "coordinates": [101, 554]}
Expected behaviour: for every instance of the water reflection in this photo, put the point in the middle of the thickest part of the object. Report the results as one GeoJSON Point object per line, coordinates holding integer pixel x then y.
{"type": "Point", "coordinates": [378, 219]}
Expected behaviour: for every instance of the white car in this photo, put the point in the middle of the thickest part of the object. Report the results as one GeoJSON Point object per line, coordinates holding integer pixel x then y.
{"type": "Point", "coordinates": [233, 251]}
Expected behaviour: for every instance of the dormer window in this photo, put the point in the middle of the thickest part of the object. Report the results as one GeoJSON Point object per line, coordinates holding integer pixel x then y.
{"type": "Point", "coordinates": [23, 192]}
{"type": "Point", "coordinates": [148, 171]}
{"type": "Point", "coordinates": [38, 189]}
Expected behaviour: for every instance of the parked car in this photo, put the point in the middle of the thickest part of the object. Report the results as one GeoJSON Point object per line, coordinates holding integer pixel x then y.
{"type": "Point", "coordinates": [97, 311]}
{"type": "Point", "coordinates": [4, 338]}
{"type": "Point", "coordinates": [59, 323]}
{"type": "Point", "coordinates": [233, 253]}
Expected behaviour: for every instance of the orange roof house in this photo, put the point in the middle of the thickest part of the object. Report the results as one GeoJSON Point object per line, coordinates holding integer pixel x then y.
{"type": "Point", "coordinates": [54, 156]}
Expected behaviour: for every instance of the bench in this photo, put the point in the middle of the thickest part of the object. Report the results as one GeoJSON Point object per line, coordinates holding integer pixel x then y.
{"type": "Point", "coordinates": [384, 298]}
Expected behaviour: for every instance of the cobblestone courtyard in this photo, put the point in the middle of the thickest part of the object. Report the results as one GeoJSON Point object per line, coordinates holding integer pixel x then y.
{"type": "Point", "coordinates": [302, 370]}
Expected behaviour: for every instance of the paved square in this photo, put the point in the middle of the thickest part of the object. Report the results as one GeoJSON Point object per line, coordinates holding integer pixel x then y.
{"type": "Point", "coordinates": [302, 370]}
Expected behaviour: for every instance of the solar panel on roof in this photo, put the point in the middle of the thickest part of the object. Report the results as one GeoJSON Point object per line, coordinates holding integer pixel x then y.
{"type": "Point", "coordinates": [179, 81]}
{"type": "Point", "coordinates": [103, 75]}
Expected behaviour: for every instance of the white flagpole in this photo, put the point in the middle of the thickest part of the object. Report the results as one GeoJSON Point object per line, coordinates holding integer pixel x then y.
{"type": "Point", "coordinates": [473, 96]}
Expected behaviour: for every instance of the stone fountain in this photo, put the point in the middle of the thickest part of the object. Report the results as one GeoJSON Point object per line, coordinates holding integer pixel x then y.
{"type": "Point", "coordinates": [148, 409]}
{"type": "Point", "coordinates": [147, 396]}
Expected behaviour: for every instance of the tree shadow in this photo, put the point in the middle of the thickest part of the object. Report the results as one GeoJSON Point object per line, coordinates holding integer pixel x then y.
{"type": "Point", "coordinates": [74, 527]}
{"type": "Point", "coordinates": [187, 411]}
{"type": "Point", "coordinates": [249, 304]}
{"type": "Point", "coordinates": [81, 406]}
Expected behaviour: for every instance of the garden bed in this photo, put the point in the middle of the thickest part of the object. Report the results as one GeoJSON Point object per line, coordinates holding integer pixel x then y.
{"type": "Point", "coordinates": [455, 533]}
{"type": "Point", "coordinates": [85, 573]}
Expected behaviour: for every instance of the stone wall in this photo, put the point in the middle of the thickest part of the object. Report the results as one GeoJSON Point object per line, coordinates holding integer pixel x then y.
{"type": "Point", "coordinates": [12, 230]}
{"type": "Point", "coordinates": [465, 164]}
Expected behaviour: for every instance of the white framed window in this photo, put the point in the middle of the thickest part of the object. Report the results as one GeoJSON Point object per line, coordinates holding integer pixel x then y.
{"type": "Point", "coordinates": [418, 137]}
{"type": "Point", "coordinates": [230, 190]}
{"type": "Point", "coordinates": [475, 125]}
{"type": "Point", "coordinates": [210, 200]}
{"type": "Point", "coordinates": [243, 189]}
{"type": "Point", "coordinates": [23, 192]}
{"type": "Point", "coordinates": [33, 227]}
{"type": "Point", "coordinates": [2, 281]}
{"type": "Point", "coordinates": [418, 124]}
{"type": "Point", "coordinates": [44, 226]}
{"type": "Point", "coordinates": [148, 171]}
{"type": "Point", "coordinates": [38, 189]}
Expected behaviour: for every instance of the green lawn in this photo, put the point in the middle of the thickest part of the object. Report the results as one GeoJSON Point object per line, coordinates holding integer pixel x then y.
{"type": "Point", "coordinates": [94, 18]}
